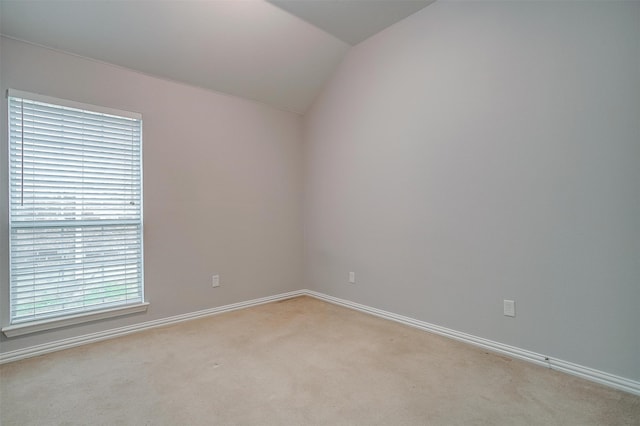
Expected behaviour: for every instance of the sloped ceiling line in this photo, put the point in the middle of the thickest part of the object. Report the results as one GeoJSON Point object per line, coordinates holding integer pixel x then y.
{"type": "Point", "coordinates": [250, 49]}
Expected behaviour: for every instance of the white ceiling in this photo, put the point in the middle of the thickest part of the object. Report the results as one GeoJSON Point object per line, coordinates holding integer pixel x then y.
{"type": "Point", "coordinates": [247, 48]}
{"type": "Point", "coordinates": [352, 21]}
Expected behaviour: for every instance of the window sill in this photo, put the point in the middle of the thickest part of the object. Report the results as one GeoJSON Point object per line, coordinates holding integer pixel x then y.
{"type": "Point", "coordinates": [49, 324]}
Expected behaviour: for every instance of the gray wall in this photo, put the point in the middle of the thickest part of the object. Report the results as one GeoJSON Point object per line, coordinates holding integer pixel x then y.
{"type": "Point", "coordinates": [481, 151]}
{"type": "Point", "coordinates": [222, 185]}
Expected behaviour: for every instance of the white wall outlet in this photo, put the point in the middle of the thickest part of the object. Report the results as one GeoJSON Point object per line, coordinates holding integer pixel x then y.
{"type": "Point", "coordinates": [215, 281]}
{"type": "Point", "coordinates": [352, 277]}
{"type": "Point", "coordinates": [509, 308]}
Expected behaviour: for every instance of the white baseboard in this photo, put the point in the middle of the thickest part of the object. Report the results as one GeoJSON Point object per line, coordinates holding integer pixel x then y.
{"type": "Point", "coordinates": [122, 331]}
{"type": "Point", "coordinates": [617, 382]}
{"type": "Point", "coordinates": [591, 374]}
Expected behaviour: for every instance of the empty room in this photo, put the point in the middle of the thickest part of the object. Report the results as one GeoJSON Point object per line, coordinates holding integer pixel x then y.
{"type": "Point", "coordinates": [319, 212]}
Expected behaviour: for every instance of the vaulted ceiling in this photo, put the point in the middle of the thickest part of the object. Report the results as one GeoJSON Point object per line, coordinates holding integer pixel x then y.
{"type": "Point", "coordinates": [279, 53]}
{"type": "Point", "coordinates": [352, 21]}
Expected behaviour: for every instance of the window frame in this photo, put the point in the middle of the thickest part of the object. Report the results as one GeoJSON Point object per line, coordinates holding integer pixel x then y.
{"type": "Point", "coordinates": [78, 317]}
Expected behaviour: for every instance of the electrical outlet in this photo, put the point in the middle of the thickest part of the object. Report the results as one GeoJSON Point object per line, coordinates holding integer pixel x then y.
{"type": "Point", "coordinates": [215, 281]}
{"type": "Point", "coordinates": [509, 307]}
{"type": "Point", "coordinates": [352, 277]}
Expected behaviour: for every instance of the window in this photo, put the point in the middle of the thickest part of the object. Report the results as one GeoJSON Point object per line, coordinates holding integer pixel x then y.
{"type": "Point", "coordinates": [75, 209]}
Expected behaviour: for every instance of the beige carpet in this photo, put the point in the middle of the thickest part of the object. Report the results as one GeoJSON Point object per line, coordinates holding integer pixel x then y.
{"type": "Point", "coordinates": [297, 362]}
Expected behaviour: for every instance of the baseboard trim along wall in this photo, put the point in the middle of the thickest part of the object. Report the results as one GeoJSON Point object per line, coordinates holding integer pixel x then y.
{"type": "Point", "coordinates": [587, 373]}
{"type": "Point", "coordinates": [123, 331]}
{"type": "Point", "coordinates": [591, 374]}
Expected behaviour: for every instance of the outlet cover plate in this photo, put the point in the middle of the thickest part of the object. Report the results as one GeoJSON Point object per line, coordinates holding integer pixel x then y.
{"type": "Point", "coordinates": [509, 308]}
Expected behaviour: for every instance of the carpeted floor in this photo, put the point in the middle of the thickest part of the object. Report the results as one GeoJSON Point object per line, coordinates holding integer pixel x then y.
{"type": "Point", "coordinates": [297, 362]}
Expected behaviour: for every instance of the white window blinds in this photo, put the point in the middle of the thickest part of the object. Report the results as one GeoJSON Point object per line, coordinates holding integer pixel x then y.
{"type": "Point", "coordinates": [75, 208]}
